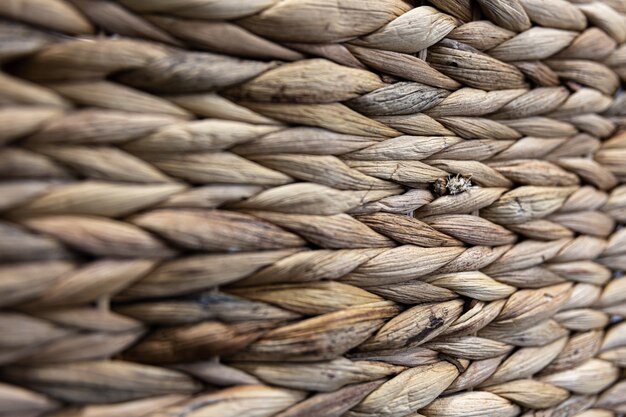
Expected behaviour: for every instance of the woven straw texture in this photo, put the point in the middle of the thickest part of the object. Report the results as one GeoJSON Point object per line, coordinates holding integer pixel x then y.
{"type": "Point", "coordinates": [312, 208]}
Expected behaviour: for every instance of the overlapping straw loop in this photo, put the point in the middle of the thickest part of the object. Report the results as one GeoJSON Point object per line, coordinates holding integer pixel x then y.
{"type": "Point", "coordinates": [297, 208]}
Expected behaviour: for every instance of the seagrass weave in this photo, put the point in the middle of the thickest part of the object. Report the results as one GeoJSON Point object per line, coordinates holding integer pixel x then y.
{"type": "Point", "coordinates": [312, 208]}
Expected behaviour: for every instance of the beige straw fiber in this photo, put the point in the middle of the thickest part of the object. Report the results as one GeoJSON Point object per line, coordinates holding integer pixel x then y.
{"type": "Point", "coordinates": [312, 208]}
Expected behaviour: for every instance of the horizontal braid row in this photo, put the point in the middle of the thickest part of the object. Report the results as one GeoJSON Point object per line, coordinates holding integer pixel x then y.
{"type": "Point", "coordinates": [441, 222]}
{"type": "Point", "coordinates": [231, 208]}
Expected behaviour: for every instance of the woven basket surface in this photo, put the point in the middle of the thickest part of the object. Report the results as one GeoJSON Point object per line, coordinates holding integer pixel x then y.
{"type": "Point", "coordinates": [312, 208]}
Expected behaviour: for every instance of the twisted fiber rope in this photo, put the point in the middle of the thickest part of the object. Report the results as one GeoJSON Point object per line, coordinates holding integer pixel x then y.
{"type": "Point", "coordinates": [217, 208]}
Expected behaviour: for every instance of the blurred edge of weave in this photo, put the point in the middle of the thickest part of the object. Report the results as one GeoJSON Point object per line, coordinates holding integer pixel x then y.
{"type": "Point", "coordinates": [312, 208]}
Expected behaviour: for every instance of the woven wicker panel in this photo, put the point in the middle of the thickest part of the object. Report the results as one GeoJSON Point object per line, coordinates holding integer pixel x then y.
{"type": "Point", "coordinates": [312, 208]}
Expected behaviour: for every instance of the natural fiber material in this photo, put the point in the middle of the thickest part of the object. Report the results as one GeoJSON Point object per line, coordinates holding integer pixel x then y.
{"type": "Point", "coordinates": [312, 208]}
